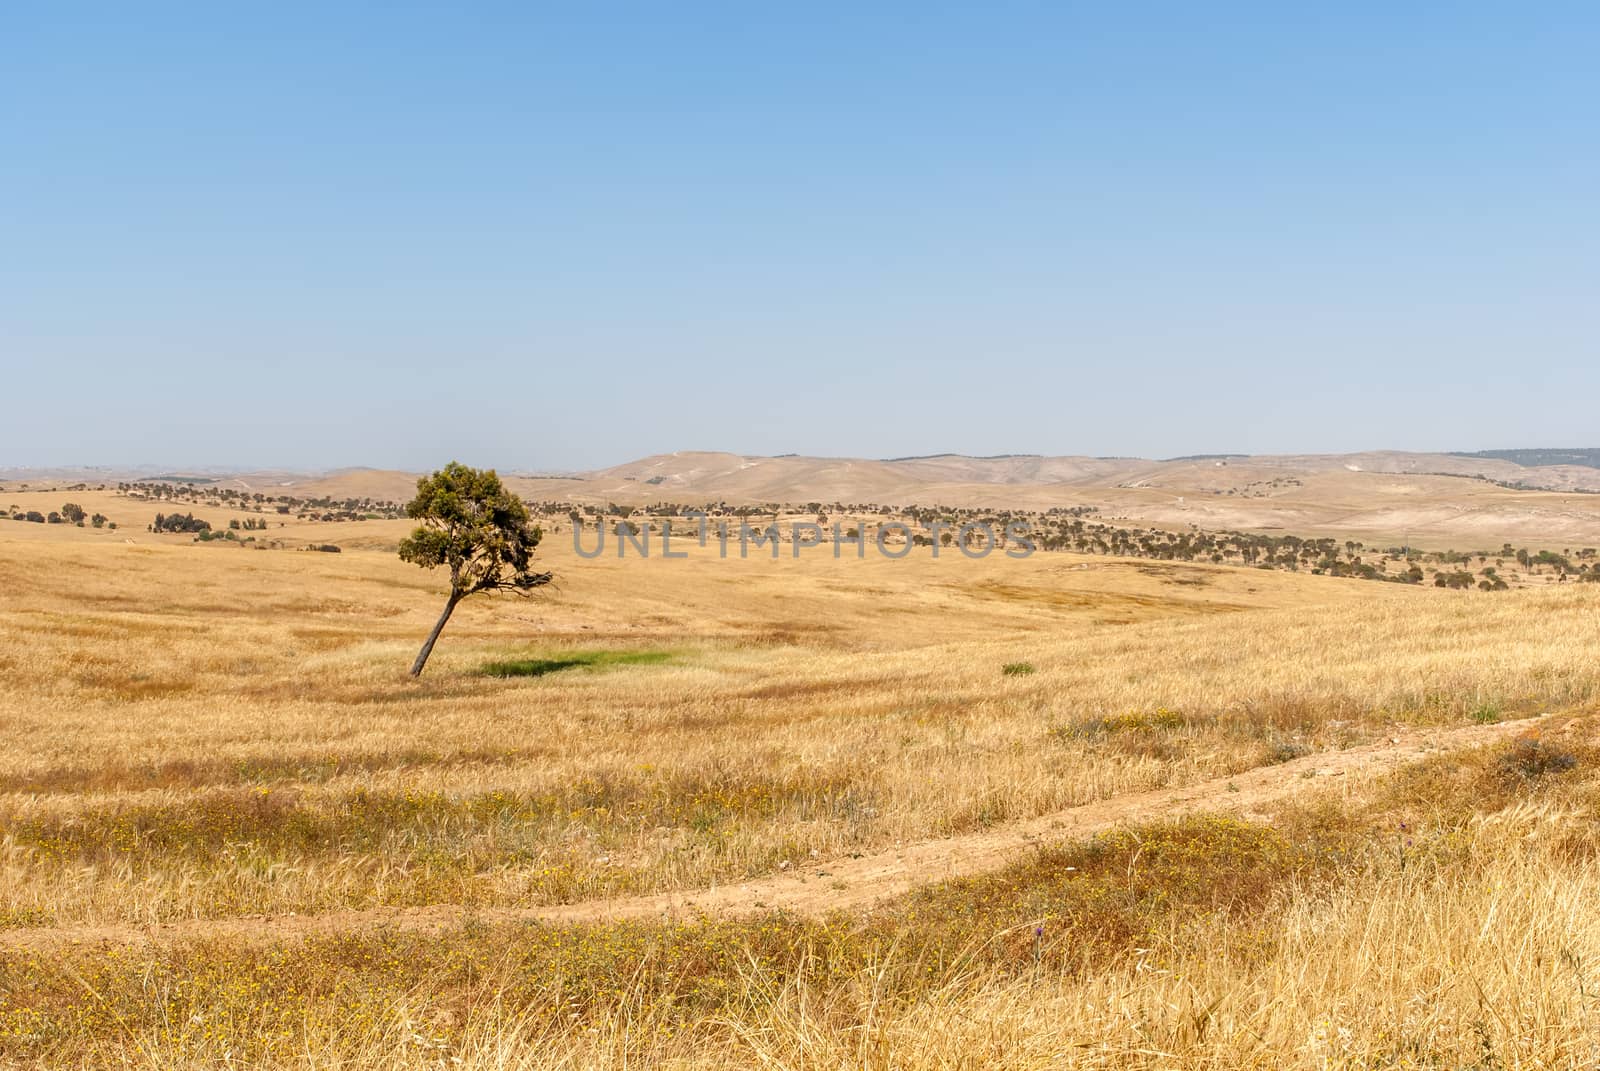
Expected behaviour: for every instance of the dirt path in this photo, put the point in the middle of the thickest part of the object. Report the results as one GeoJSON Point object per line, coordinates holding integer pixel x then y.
{"type": "Point", "coordinates": [841, 883]}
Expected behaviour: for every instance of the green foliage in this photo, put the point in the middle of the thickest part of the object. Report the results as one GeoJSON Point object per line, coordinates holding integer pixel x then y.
{"type": "Point", "coordinates": [179, 522]}
{"type": "Point", "coordinates": [475, 527]}
{"type": "Point", "coordinates": [1486, 713]}
{"type": "Point", "coordinates": [1017, 669]}
{"type": "Point", "coordinates": [538, 667]}
{"type": "Point", "coordinates": [478, 530]}
{"type": "Point", "coordinates": [1550, 557]}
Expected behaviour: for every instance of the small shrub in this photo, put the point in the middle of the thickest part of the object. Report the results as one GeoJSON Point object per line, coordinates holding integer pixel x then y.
{"type": "Point", "coordinates": [1286, 751]}
{"type": "Point", "coordinates": [1486, 713]}
{"type": "Point", "coordinates": [1529, 760]}
{"type": "Point", "coordinates": [1017, 669]}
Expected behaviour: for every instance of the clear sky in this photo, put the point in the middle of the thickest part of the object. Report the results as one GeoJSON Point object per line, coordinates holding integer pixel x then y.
{"type": "Point", "coordinates": [559, 236]}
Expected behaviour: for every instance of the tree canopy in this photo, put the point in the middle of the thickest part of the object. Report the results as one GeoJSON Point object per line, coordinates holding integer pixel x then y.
{"type": "Point", "coordinates": [479, 530]}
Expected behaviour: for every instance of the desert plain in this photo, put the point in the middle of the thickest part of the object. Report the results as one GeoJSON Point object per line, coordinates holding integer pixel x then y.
{"type": "Point", "coordinates": [1075, 809]}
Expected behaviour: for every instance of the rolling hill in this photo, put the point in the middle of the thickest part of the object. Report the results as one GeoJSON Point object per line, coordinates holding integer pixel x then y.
{"type": "Point", "coordinates": [1435, 498]}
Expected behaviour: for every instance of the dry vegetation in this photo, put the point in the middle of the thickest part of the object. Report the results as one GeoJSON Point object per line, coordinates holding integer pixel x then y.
{"type": "Point", "coordinates": [200, 732]}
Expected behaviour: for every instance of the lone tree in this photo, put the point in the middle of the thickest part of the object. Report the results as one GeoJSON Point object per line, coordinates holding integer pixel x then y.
{"type": "Point", "coordinates": [471, 523]}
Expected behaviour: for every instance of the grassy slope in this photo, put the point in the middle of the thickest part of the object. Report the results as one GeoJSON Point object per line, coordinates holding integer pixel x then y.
{"type": "Point", "coordinates": [208, 731]}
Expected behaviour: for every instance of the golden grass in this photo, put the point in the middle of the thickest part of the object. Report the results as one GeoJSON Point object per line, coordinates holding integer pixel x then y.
{"type": "Point", "coordinates": [200, 731]}
{"type": "Point", "coordinates": [315, 774]}
{"type": "Point", "coordinates": [1335, 937]}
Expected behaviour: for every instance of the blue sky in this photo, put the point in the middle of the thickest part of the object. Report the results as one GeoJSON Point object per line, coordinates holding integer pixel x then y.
{"type": "Point", "coordinates": [556, 237]}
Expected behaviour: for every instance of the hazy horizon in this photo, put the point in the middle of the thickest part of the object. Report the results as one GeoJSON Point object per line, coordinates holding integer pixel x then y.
{"type": "Point", "coordinates": [191, 466]}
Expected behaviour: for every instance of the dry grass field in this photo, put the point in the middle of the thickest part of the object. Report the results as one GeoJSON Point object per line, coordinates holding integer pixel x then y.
{"type": "Point", "coordinates": [1053, 812]}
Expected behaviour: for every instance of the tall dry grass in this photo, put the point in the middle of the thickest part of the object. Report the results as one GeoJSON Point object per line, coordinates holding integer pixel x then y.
{"type": "Point", "coordinates": [203, 732]}
{"type": "Point", "coordinates": [1467, 939]}
{"type": "Point", "coordinates": [199, 731]}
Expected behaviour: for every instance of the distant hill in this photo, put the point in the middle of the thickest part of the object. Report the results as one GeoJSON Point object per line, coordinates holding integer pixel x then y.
{"type": "Point", "coordinates": [939, 457]}
{"type": "Point", "coordinates": [1538, 458]}
{"type": "Point", "coordinates": [1442, 499]}
{"type": "Point", "coordinates": [700, 476]}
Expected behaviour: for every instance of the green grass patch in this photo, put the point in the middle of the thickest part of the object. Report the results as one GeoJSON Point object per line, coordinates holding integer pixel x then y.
{"type": "Point", "coordinates": [1017, 669]}
{"type": "Point", "coordinates": [1486, 713]}
{"type": "Point", "coordinates": [538, 667]}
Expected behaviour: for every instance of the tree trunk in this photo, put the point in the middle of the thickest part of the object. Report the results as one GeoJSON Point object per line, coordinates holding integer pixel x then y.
{"type": "Point", "coordinates": [427, 648]}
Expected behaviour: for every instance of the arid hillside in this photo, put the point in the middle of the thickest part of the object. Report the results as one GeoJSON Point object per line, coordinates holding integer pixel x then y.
{"type": "Point", "coordinates": [795, 812]}
{"type": "Point", "coordinates": [1385, 496]}
{"type": "Point", "coordinates": [1438, 501]}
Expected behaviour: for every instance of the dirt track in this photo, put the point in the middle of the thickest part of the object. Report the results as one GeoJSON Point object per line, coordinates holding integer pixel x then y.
{"type": "Point", "coordinates": [840, 883]}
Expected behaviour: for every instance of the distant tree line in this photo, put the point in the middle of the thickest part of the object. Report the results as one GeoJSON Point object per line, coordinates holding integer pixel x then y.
{"type": "Point", "coordinates": [305, 509]}
{"type": "Point", "coordinates": [179, 522]}
{"type": "Point", "coordinates": [70, 513]}
{"type": "Point", "coordinates": [1068, 529]}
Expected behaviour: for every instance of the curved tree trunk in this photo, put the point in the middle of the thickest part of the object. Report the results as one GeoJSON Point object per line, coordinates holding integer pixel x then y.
{"type": "Point", "coordinates": [433, 637]}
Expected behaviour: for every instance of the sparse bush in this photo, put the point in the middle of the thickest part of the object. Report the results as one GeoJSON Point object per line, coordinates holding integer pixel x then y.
{"type": "Point", "coordinates": [1530, 759]}
{"type": "Point", "coordinates": [1017, 669]}
{"type": "Point", "coordinates": [179, 522]}
{"type": "Point", "coordinates": [1280, 751]}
